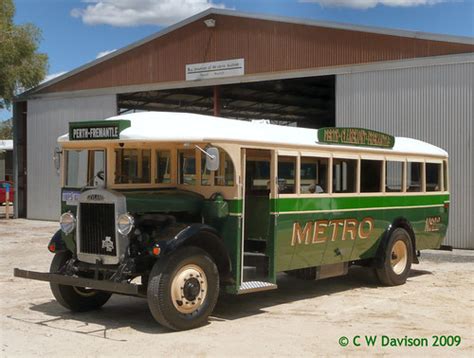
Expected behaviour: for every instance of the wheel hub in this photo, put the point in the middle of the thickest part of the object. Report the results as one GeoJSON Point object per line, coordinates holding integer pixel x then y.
{"type": "Point", "coordinates": [399, 257]}
{"type": "Point", "coordinates": [189, 288]}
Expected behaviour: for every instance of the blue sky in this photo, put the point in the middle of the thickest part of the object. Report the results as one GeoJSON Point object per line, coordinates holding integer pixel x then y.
{"type": "Point", "coordinates": [76, 32]}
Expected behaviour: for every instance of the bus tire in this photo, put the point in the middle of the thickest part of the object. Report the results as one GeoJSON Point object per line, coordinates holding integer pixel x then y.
{"type": "Point", "coordinates": [77, 299]}
{"type": "Point", "coordinates": [398, 258]}
{"type": "Point", "coordinates": [183, 289]}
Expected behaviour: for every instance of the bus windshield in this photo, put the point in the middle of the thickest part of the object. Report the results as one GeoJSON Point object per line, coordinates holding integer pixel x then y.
{"type": "Point", "coordinates": [84, 168]}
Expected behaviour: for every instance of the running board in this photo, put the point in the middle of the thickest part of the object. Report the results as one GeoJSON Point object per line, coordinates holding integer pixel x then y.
{"type": "Point", "coordinates": [256, 286]}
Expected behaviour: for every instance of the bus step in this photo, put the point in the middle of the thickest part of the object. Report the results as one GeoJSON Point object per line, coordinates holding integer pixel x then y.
{"type": "Point", "coordinates": [255, 259]}
{"type": "Point", "coordinates": [259, 245]}
{"type": "Point", "coordinates": [256, 286]}
{"type": "Point", "coordinates": [250, 273]}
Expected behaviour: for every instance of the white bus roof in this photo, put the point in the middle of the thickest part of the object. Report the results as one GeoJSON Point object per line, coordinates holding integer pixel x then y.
{"type": "Point", "coordinates": [189, 127]}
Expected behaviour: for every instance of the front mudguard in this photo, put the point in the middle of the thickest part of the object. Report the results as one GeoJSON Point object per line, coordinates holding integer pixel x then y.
{"type": "Point", "coordinates": [186, 234]}
{"type": "Point", "coordinates": [57, 244]}
{"type": "Point", "coordinates": [202, 236]}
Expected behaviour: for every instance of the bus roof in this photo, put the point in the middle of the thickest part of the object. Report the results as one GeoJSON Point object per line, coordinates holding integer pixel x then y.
{"type": "Point", "coordinates": [189, 127]}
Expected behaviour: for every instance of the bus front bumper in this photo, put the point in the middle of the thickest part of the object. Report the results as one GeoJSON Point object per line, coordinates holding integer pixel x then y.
{"type": "Point", "coordinates": [101, 285]}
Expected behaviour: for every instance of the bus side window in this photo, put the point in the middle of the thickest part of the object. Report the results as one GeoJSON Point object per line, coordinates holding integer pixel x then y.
{"type": "Point", "coordinates": [433, 176]}
{"type": "Point", "coordinates": [414, 177]}
{"type": "Point", "coordinates": [187, 166]}
{"type": "Point", "coordinates": [132, 166]}
{"type": "Point", "coordinates": [313, 175]}
{"type": "Point", "coordinates": [224, 176]}
{"type": "Point", "coordinates": [163, 166]}
{"type": "Point", "coordinates": [393, 176]}
{"type": "Point", "coordinates": [286, 175]}
{"type": "Point", "coordinates": [370, 176]}
{"type": "Point", "coordinates": [206, 175]}
{"type": "Point", "coordinates": [344, 175]}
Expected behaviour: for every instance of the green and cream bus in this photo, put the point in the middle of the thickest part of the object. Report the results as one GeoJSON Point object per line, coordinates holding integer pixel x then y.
{"type": "Point", "coordinates": [176, 207]}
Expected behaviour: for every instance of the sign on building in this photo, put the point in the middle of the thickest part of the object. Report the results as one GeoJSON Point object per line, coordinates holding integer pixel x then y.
{"type": "Point", "coordinates": [217, 69]}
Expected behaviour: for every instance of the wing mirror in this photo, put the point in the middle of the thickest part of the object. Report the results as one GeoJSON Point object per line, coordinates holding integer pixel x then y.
{"type": "Point", "coordinates": [57, 159]}
{"type": "Point", "coordinates": [212, 158]}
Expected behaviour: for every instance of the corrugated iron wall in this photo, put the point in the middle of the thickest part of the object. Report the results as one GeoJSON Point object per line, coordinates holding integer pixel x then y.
{"type": "Point", "coordinates": [266, 46]}
{"type": "Point", "coordinates": [434, 104]}
{"type": "Point", "coordinates": [48, 119]}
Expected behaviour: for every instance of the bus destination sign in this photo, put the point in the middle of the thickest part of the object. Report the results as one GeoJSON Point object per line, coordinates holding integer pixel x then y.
{"type": "Point", "coordinates": [97, 130]}
{"type": "Point", "coordinates": [355, 136]}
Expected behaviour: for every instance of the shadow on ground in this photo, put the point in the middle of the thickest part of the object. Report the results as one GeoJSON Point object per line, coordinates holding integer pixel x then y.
{"type": "Point", "coordinates": [123, 311]}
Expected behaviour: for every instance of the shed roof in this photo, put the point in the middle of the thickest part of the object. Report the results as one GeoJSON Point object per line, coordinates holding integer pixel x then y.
{"type": "Point", "coordinates": [189, 127]}
{"type": "Point", "coordinates": [268, 44]}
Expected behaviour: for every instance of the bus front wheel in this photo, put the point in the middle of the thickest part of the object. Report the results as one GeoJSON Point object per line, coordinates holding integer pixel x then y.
{"type": "Point", "coordinates": [75, 298]}
{"type": "Point", "coordinates": [398, 258]}
{"type": "Point", "coordinates": [183, 289]}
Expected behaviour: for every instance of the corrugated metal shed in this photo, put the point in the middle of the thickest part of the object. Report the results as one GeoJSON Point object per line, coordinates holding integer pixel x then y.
{"type": "Point", "coordinates": [267, 44]}
{"type": "Point", "coordinates": [432, 103]}
{"type": "Point", "coordinates": [401, 82]}
{"type": "Point", "coordinates": [46, 121]}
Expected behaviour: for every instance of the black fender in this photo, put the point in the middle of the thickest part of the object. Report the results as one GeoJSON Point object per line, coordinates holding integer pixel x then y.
{"type": "Point", "coordinates": [399, 222]}
{"type": "Point", "coordinates": [57, 242]}
{"type": "Point", "coordinates": [206, 238]}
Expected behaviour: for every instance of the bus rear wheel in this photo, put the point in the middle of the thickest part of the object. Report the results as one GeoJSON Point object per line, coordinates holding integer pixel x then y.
{"type": "Point", "coordinates": [397, 260]}
{"type": "Point", "coordinates": [183, 289]}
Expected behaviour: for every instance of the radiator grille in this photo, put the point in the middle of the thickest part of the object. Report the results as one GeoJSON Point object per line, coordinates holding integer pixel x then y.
{"type": "Point", "coordinates": [97, 229]}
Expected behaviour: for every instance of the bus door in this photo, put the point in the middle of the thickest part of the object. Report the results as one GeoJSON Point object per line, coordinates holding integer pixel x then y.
{"type": "Point", "coordinates": [257, 233]}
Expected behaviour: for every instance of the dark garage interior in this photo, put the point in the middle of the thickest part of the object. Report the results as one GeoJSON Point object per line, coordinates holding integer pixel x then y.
{"type": "Point", "coordinates": [304, 102]}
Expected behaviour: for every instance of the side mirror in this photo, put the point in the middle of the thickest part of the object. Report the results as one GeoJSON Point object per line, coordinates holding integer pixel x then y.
{"type": "Point", "coordinates": [57, 158]}
{"type": "Point", "coordinates": [212, 158]}
{"type": "Point", "coordinates": [99, 179]}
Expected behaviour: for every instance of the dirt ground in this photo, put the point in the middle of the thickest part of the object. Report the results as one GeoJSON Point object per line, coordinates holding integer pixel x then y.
{"type": "Point", "coordinates": [301, 318]}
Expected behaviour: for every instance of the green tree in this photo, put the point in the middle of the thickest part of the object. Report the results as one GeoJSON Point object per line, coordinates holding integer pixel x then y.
{"type": "Point", "coordinates": [6, 129]}
{"type": "Point", "coordinates": [21, 67]}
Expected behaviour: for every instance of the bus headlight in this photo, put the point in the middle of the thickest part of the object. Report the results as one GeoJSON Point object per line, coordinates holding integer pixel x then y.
{"type": "Point", "coordinates": [125, 224]}
{"type": "Point", "coordinates": [67, 222]}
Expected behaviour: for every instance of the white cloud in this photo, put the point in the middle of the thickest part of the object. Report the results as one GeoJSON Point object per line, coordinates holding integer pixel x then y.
{"type": "Point", "coordinates": [105, 53]}
{"type": "Point", "coordinates": [140, 12]}
{"type": "Point", "coordinates": [366, 4]}
{"type": "Point", "coordinates": [53, 75]}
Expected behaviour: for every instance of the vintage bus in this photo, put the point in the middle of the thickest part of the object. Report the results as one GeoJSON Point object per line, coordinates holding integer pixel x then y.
{"type": "Point", "coordinates": [176, 207]}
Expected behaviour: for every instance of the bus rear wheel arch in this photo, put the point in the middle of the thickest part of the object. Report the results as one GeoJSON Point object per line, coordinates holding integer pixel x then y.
{"type": "Point", "coordinates": [397, 258]}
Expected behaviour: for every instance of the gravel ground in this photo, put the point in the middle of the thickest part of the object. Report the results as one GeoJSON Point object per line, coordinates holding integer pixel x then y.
{"type": "Point", "coordinates": [301, 318]}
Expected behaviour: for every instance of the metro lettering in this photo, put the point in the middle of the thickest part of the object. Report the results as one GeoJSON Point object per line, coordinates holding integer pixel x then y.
{"type": "Point", "coordinates": [320, 231]}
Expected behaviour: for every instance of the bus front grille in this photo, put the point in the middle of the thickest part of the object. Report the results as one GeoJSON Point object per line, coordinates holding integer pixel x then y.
{"type": "Point", "coordinates": [97, 229]}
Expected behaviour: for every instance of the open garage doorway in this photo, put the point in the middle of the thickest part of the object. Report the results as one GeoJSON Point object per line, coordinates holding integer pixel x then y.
{"type": "Point", "coordinates": [304, 102]}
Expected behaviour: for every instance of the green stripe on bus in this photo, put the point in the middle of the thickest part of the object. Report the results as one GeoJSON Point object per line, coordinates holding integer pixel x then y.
{"type": "Point", "coordinates": [235, 206]}
{"type": "Point", "coordinates": [355, 202]}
